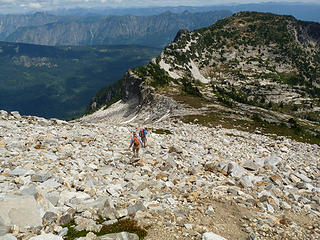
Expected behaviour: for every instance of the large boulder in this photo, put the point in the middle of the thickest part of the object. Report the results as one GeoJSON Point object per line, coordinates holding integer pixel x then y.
{"type": "Point", "coordinates": [8, 237]}
{"type": "Point", "coordinates": [22, 211]}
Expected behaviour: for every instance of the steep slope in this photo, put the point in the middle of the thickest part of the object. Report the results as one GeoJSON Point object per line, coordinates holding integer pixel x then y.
{"type": "Point", "coordinates": [255, 66]}
{"type": "Point", "coordinates": [189, 180]}
{"type": "Point", "coordinates": [155, 31]}
{"type": "Point", "coordinates": [59, 81]}
{"type": "Point", "coordinates": [10, 23]}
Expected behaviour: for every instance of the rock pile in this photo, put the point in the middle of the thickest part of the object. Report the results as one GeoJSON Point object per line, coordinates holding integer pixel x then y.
{"type": "Point", "coordinates": [191, 182]}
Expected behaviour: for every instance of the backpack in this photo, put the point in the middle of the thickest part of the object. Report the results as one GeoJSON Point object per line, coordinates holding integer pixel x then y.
{"type": "Point", "coordinates": [136, 141]}
{"type": "Point", "coordinates": [142, 133]}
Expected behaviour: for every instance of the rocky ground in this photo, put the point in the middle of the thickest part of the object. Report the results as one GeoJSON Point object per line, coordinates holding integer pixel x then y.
{"type": "Point", "coordinates": [190, 182]}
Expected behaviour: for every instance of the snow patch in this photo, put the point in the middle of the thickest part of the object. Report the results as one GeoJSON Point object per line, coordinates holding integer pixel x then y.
{"type": "Point", "coordinates": [147, 118]}
{"type": "Point", "coordinates": [130, 120]}
{"type": "Point", "coordinates": [164, 116]}
{"type": "Point", "coordinates": [166, 67]}
{"type": "Point", "coordinates": [196, 73]}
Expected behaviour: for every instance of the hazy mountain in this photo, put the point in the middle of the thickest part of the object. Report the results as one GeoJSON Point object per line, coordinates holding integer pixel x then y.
{"type": "Point", "coordinates": [60, 81]}
{"type": "Point", "coordinates": [302, 11]}
{"type": "Point", "coordinates": [10, 23]}
{"type": "Point", "coordinates": [156, 30]}
{"type": "Point", "coordinates": [251, 68]}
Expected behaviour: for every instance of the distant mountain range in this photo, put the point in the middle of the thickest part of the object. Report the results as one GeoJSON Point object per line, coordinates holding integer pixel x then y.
{"type": "Point", "coordinates": [155, 31]}
{"type": "Point", "coordinates": [302, 11]}
{"type": "Point", "coordinates": [60, 81]}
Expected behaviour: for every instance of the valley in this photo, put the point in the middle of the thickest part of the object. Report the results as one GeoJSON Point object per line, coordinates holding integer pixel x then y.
{"type": "Point", "coordinates": [60, 81]}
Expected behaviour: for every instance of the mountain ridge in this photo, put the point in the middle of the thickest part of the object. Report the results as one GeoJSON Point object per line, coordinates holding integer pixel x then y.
{"type": "Point", "coordinates": [155, 31]}
{"type": "Point", "coordinates": [264, 66]}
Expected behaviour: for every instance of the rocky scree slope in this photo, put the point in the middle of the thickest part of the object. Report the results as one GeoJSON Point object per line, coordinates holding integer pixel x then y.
{"type": "Point", "coordinates": [191, 182]}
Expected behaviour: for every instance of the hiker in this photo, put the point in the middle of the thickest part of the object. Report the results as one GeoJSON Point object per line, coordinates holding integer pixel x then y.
{"type": "Point", "coordinates": [135, 143]}
{"type": "Point", "coordinates": [143, 135]}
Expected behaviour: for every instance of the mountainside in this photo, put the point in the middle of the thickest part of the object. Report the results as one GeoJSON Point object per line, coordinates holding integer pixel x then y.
{"type": "Point", "coordinates": [59, 81]}
{"type": "Point", "coordinates": [10, 23]}
{"type": "Point", "coordinates": [155, 31]}
{"type": "Point", "coordinates": [255, 69]}
{"type": "Point", "coordinates": [80, 181]}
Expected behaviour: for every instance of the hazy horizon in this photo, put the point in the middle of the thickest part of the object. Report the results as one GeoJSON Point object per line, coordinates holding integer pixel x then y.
{"type": "Point", "coordinates": [23, 6]}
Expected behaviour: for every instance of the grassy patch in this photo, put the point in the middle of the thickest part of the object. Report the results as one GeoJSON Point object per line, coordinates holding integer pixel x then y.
{"type": "Point", "coordinates": [192, 101]}
{"type": "Point", "coordinates": [125, 225]}
{"type": "Point", "coordinates": [292, 129]}
{"type": "Point", "coordinates": [161, 131]}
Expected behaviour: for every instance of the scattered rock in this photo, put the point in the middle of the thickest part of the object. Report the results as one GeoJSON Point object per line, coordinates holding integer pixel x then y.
{"type": "Point", "coordinates": [212, 236]}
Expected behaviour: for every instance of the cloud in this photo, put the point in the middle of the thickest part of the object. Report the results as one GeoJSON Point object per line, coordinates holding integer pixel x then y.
{"type": "Point", "coordinates": [11, 6]}
{"type": "Point", "coordinates": [111, 1]}
{"type": "Point", "coordinates": [7, 1]}
{"type": "Point", "coordinates": [35, 5]}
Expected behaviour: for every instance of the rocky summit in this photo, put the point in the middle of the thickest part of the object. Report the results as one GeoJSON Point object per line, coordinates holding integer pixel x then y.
{"type": "Point", "coordinates": [190, 182]}
{"type": "Point", "coordinates": [255, 68]}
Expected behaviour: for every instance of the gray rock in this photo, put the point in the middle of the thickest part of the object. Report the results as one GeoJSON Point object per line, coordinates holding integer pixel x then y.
{"type": "Point", "coordinates": [115, 190]}
{"type": "Point", "coordinates": [235, 170]}
{"type": "Point", "coordinates": [301, 185]}
{"type": "Point", "coordinates": [232, 191]}
{"type": "Point", "coordinates": [120, 236]}
{"type": "Point", "coordinates": [269, 208]}
{"type": "Point", "coordinates": [109, 222]}
{"type": "Point", "coordinates": [98, 204]}
{"type": "Point", "coordinates": [50, 183]}
{"type": "Point", "coordinates": [252, 237]}
{"type": "Point", "coordinates": [16, 114]}
{"type": "Point", "coordinates": [212, 236]}
{"type": "Point", "coordinates": [138, 206]}
{"type": "Point", "coordinates": [246, 181]}
{"type": "Point", "coordinates": [108, 213]}
{"type": "Point", "coordinates": [303, 177]}
{"type": "Point", "coordinates": [49, 218]}
{"type": "Point", "coordinates": [21, 172]}
{"type": "Point", "coordinates": [121, 213]}
{"type": "Point", "coordinates": [40, 177]}
{"type": "Point", "coordinates": [3, 229]}
{"type": "Point", "coordinates": [3, 113]}
{"type": "Point", "coordinates": [49, 236]}
{"type": "Point", "coordinates": [272, 161]}
{"type": "Point", "coordinates": [86, 224]}
{"type": "Point", "coordinates": [268, 161]}
{"type": "Point", "coordinates": [8, 237]}
{"type": "Point", "coordinates": [22, 211]}
{"type": "Point", "coordinates": [63, 232]}
{"type": "Point", "coordinates": [210, 211]}
{"type": "Point", "coordinates": [31, 190]}
{"type": "Point", "coordinates": [67, 218]}
{"type": "Point", "coordinates": [53, 197]}
{"type": "Point", "coordinates": [250, 165]}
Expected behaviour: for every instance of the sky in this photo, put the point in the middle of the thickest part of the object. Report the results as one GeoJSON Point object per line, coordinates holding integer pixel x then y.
{"type": "Point", "coordinates": [16, 6]}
